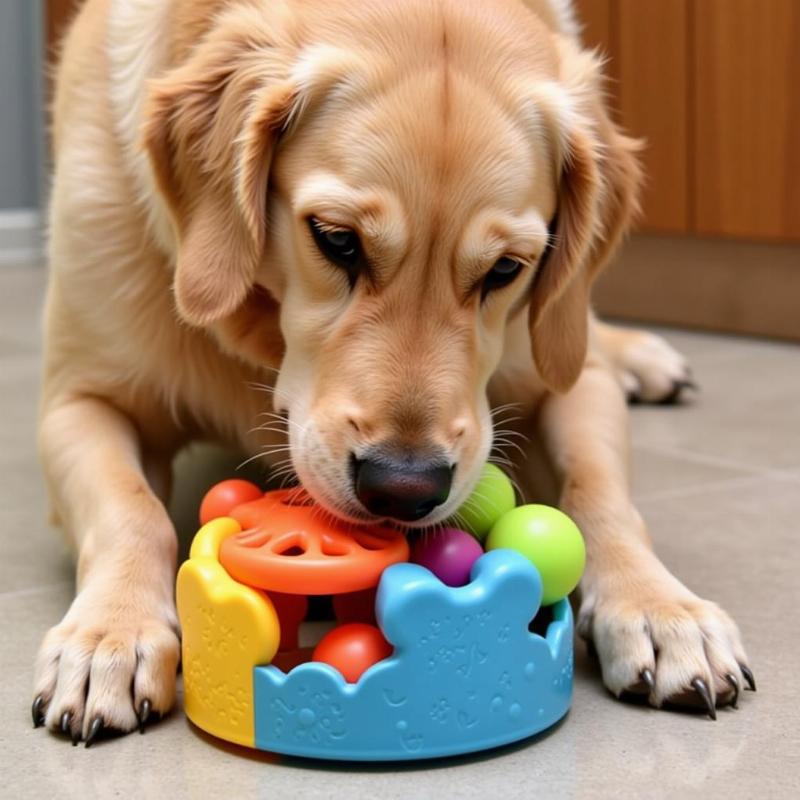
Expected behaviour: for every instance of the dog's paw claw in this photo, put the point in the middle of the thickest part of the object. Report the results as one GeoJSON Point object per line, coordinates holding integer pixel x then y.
{"type": "Point", "coordinates": [68, 727]}
{"type": "Point", "coordinates": [701, 687]}
{"type": "Point", "coordinates": [748, 676]}
{"type": "Point", "coordinates": [95, 729]}
{"type": "Point", "coordinates": [734, 684]}
{"type": "Point", "coordinates": [144, 714]}
{"type": "Point", "coordinates": [641, 689]}
{"type": "Point", "coordinates": [37, 711]}
{"type": "Point", "coordinates": [677, 392]}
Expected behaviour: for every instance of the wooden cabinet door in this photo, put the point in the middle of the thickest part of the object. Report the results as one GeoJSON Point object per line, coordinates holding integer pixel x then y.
{"type": "Point", "coordinates": [647, 46]}
{"type": "Point", "coordinates": [651, 44]}
{"type": "Point", "coordinates": [712, 87]}
{"type": "Point", "coordinates": [746, 109]}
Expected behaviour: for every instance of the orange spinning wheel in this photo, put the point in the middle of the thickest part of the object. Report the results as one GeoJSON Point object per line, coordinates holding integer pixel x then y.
{"type": "Point", "coordinates": [288, 544]}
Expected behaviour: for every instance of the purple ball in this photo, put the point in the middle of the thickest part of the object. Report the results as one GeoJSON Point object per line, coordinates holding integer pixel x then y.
{"type": "Point", "coordinates": [449, 554]}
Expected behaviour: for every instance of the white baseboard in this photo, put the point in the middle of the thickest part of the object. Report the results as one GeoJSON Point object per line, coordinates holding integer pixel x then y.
{"type": "Point", "coordinates": [21, 237]}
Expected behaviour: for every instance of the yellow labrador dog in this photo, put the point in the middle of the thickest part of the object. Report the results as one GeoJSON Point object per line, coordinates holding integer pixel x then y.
{"type": "Point", "coordinates": [386, 214]}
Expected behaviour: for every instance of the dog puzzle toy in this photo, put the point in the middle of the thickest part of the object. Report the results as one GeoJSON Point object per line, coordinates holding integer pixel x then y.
{"type": "Point", "coordinates": [449, 554]}
{"type": "Point", "coordinates": [461, 652]}
{"type": "Point", "coordinates": [550, 539]}
{"type": "Point", "coordinates": [352, 649]}
{"type": "Point", "coordinates": [490, 499]}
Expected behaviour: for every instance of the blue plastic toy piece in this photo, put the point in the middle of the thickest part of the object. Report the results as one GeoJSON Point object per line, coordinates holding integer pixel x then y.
{"type": "Point", "coordinates": [466, 674]}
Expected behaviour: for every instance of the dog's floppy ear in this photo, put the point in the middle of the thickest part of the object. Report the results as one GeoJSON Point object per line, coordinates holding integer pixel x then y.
{"type": "Point", "coordinates": [597, 197]}
{"type": "Point", "coordinates": [210, 128]}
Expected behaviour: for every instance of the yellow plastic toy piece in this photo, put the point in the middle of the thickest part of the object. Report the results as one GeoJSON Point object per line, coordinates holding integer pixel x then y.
{"type": "Point", "coordinates": [228, 629]}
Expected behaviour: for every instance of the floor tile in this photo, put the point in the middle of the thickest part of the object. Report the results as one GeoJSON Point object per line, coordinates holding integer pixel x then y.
{"type": "Point", "coordinates": [718, 482]}
{"type": "Point", "coordinates": [19, 390]}
{"type": "Point", "coordinates": [746, 413]}
{"type": "Point", "coordinates": [21, 301]}
{"type": "Point", "coordinates": [656, 473]}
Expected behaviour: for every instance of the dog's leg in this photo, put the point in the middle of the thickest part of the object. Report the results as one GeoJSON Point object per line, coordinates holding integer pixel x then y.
{"type": "Point", "coordinates": [112, 660]}
{"type": "Point", "coordinates": [653, 636]}
{"type": "Point", "coordinates": [649, 369]}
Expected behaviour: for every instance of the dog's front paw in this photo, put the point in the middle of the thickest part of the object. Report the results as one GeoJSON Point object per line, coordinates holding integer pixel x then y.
{"type": "Point", "coordinates": [651, 370]}
{"type": "Point", "coordinates": [663, 643]}
{"type": "Point", "coordinates": [107, 667]}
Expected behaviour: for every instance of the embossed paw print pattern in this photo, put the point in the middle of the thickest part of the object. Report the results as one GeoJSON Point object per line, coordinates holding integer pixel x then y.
{"type": "Point", "coordinates": [317, 719]}
{"type": "Point", "coordinates": [466, 674]}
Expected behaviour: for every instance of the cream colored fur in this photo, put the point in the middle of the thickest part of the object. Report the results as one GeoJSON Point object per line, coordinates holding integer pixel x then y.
{"type": "Point", "coordinates": [192, 139]}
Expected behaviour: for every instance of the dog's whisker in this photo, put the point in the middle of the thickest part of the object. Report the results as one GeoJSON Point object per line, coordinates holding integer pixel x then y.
{"type": "Point", "coordinates": [510, 432]}
{"type": "Point", "coordinates": [287, 479]}
{"type": "Point", "coordinates": [271, 453]}
{"type": "Point", "coordinates": [505, 441]}
{"type": "Point", "coordinates": [478, 500]}
{"type": "Point", "coordinates": [267, 389]}
{"type": "Point", "coordinates": [267, 429]}
{"type": "Point", "coordinates": [511, 418]}
{"type": "Point", "coordinates": [517, 489]}
{"type": "Point", "coordinates": [504, 407]}
{"type": "Point", "coordinates": [281, 471]}
{"type": "Point", "coordinates": [249, 460]}
{"type": "Point", "coordinates": [501, 445]}
{"type": "Point", "coordinates": [505, 437]}
{"type": "Point", "coordinates": [281, 462]}
{"type": "Point", "coordinates": [279, 419]}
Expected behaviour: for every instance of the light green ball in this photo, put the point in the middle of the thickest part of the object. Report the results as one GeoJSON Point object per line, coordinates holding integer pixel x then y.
{"type": "Point", "coordinates": [550, 540]}
{"type": "Point", "coordinates": [490, 499]}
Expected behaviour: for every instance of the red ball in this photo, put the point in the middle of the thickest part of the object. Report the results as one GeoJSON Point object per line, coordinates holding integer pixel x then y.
{"type": "Point", "coordinates": [352, 649]}
{"type": "Point", "coordinates": [223, 497]}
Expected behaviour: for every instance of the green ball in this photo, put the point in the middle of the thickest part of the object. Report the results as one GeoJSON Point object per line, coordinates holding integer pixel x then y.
{"type": "Point", "coordinates": [550, 540]}
{"type": "Point", "coordinates": [490, 499]}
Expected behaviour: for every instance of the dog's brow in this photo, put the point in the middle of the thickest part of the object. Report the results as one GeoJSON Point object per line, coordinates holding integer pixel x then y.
{"type": "Point", "coordinates": [378, 216]}
{"type": "Point", "coordinates": [326, 193]}
{"type": "Point", "coordinates": [496, 234]}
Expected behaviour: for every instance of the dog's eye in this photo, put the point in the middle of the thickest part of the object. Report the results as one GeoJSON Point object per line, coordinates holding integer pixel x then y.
{"type": "Point", "coordinates": [501, 274]}
{"type": "Point", "coordinates": [339, 245]}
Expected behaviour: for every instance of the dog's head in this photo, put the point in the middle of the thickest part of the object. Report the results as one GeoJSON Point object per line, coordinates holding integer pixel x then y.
{"type": "Point", "coordinates": [389, 186]}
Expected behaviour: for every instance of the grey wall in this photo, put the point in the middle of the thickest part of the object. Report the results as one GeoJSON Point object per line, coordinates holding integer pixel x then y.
{"type": "Point", "coordinates": [21, 140]}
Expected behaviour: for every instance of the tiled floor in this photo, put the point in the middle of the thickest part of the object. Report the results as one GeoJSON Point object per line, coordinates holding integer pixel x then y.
{"type": "Point", "coordinates": [719, 483]}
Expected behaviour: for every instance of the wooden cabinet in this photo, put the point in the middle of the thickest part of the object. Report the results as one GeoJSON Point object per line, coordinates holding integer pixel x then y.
{"type": "Point", "coordinates": [651, 86]}
{"type": "Point", "coordinates": [711, 85]}
{"type": "Point", "coordinates": [746, 110]}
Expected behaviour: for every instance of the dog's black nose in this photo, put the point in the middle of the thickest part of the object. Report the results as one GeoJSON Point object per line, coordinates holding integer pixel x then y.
{"type": "Point", "coordinates": [404, 489]}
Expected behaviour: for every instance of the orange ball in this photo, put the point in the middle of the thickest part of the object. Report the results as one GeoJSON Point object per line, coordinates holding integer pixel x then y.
{"type": "Point", "coordinates": [223, 497]}
{"type": "Point", "coordinates": [352, 649]}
